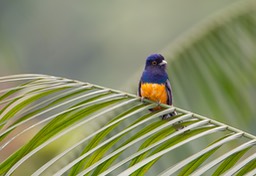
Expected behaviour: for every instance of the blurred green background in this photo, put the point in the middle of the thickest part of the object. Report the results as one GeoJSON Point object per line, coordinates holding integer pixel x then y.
{"type": "Point", "coordinates": [101, 42]}
{"type": "Point", "coordinates": [106, 43]}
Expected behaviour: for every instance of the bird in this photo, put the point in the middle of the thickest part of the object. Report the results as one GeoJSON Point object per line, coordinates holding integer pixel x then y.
{"type": "Point", "coordinates": [154, 83]}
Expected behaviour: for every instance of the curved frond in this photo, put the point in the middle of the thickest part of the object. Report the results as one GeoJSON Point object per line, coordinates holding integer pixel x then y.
{"type": "Point", "coordinates": [212, 66]}
{"type": "Point", "coordinates": [93, 130]}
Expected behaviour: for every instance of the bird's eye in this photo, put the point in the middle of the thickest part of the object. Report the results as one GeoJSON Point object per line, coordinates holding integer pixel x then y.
{"type": "Point", "coordinates": [154, 63]}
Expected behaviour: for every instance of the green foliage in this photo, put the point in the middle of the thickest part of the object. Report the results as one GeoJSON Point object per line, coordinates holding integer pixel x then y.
{"type": "Point", "coordinates": [129, 139]}
{"type": "Point", "coordinates": [212, 67]}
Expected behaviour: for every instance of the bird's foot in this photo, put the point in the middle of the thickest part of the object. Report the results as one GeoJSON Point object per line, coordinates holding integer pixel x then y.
{"type": "Point", "coordinates": [167, 116]}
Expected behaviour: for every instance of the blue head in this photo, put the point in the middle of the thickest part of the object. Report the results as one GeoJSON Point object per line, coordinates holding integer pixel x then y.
{"type": "Point", "coordinates": [155, 69]}
{"type": "Point", "coordinates": [155, 61]}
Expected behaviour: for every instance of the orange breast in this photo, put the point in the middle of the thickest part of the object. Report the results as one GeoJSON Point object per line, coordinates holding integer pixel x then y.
{"type": "Point", "coordinates": [154, 92]}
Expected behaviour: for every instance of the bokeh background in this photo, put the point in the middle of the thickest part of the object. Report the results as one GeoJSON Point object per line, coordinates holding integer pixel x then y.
{"type": "Point", "coordinates": [98, 42]}
{"type": "Point", "coordinates": [106, 43]}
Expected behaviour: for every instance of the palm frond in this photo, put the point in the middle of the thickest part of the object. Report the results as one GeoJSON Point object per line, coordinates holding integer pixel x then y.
{"type": "Point", "coordinates": [114, 133]}
{"type": "Point", "coordinates": [212, 67]}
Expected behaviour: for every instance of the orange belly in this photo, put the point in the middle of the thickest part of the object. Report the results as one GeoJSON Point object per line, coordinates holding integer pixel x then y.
{"type": "Point", "coordinates": [154, 92]}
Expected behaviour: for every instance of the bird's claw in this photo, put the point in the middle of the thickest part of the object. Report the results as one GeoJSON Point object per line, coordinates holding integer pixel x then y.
{"type": "Point", "coordinates": [167, 116]}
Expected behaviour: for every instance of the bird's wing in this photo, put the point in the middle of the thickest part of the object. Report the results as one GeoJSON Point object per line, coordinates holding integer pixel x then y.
{"type": "Point", "coordinates": [169, 92]}
{"type": "Point", "coordinates": [139, 90]}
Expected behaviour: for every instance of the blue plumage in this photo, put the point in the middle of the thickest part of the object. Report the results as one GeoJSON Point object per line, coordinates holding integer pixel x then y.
{"type": "Point", "coordinates": [155, 74]}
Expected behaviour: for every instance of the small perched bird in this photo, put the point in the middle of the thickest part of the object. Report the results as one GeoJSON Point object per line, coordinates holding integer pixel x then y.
{"type": "Point", "coordinates": [154, 83]}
